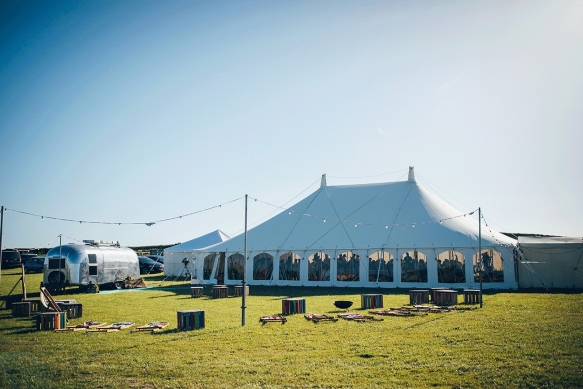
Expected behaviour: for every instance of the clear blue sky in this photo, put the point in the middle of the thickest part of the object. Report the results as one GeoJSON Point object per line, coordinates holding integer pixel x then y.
{"type": "Point", "coordinates": [136, 111]}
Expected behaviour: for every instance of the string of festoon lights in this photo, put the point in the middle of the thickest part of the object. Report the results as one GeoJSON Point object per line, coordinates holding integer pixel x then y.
{"type": "Point", "coordinates": [357, 223]}
{"type": "Point", "coordinates": [290, 211]}
{"type": "Point", "coordinates": [149, 224]}
{"type": "Point", "coordinates": [491, 232]}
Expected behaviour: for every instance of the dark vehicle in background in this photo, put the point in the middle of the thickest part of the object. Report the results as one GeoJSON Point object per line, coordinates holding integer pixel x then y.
{"type": "Point", "coordinates": [148, 265]}
{"type": "Point", "coordinates": [26, 256]}
{"type": "Point", "coordinates": [10, 258]}
{"type": "Point", "coordinates": [34, 265]}
{"type": "Point", "coordinates": [157, 258]}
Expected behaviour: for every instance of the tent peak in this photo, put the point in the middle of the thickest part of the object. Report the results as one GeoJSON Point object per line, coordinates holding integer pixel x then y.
{"type": "Point", "coordinates": [323, 182]}
{"type": "Point", "coordinates": [411, 174]}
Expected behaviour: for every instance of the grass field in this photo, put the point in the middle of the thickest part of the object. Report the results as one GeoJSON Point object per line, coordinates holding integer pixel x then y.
{"type": "Point", "coordinates": [517, 340]}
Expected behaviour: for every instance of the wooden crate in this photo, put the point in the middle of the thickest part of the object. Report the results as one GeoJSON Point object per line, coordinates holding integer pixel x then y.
{"type": "Point", "coordinates": [220, 291]}
{"type": "Point", "coordinates": [35, 305]}
{"type": "Point", "coordinates": [418, 296]}
{"type": "Point", "coordinates": [74, 310]}
{"type": "Point", "coordinates": [446, 297]}
{"type": "Point", "coordinates": [293, 306]}
{"type": "Point", "coordinates": [371, 301]}
{"type": "Point", "coordinates": [190, 320]}
{"type": "Point", "coordinates": [196, 291]}
{"type": "Point", "coordinates": [21, 309]}
{"type": "Point", "coordinates": [50, 321]}
{"type": "Point", "coordinates": [10, 299]}
{"type": "Point", "coordinates": [471, 296]}
{"type": "Point", "coordinates": [239, 290]}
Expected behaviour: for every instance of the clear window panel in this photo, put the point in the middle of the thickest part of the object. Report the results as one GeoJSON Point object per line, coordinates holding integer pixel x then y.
{"type": "Point", "coordinates": [451, 267]}
{"type": "Point", "coordinates": [380, 267]}
{"type": "Point", "coordinates": [348, 267]}
{"type": "Point", "coordinates": [319, 267]}
{"type": "Point", "coordinates": [492, 265]}
{"type": "Point", "coordinates": [289, 266]}
{"type": "Point", "coordinates": [262, 266]}
{"type": "Point", "coordinates": [413, 267]}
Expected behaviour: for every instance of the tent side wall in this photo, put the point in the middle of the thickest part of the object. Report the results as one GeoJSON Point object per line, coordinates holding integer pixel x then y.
{"type": "Point", "coordinates": [265, 267]}
{"type": "Point", "coordinates": [555, 266]}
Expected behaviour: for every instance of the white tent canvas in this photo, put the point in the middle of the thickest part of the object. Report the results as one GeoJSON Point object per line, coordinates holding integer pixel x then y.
{"type": "Point", "coordinates": [175, 255]}
{"type": "Point", "coordinates": [395, 234]}
{"type": "Point", "coordinates": [552, 262]}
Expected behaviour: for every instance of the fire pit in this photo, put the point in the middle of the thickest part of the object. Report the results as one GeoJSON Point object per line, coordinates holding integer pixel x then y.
{"type": "Point", "coordinates": [342, 304]}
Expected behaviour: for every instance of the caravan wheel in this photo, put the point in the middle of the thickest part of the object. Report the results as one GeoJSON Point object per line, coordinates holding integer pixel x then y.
{"type": "Point", "coordinates": [118, 284]}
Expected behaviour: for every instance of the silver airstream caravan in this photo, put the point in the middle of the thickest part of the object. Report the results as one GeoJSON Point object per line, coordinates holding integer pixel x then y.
{"type": "Point", "coordinates": [96, 262]}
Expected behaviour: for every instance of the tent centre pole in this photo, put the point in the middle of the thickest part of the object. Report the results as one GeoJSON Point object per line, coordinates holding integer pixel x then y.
{"type": "Point", "coordinates": [244, 271]}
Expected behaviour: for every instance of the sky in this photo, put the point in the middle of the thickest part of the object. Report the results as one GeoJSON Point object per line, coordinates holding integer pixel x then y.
{"type": "Point", "coordinates": [121, 112]}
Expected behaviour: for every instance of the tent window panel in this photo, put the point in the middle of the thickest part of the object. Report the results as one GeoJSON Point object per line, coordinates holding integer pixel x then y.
{"type": "Point", "coordinates": [380, 267]}
{"type": "Point", "coordinates": [236, 266]}
{"type": "Point", "coordinates": [289, 267]}
{"type": "Point", "coordinates": [414, 267]}
{"type": "Point", "coordinates": [451, 267]}
{"type": "Point", "coordinates": [492, 264]}
{"type": "Point", "coordinates": [262, 266]}
{"type": "Point", "coordinates": [348, 267]}
{"type": "Point", "coordinates": [319, 267]}
{"type": "Point", "coordinates": [209, 262]}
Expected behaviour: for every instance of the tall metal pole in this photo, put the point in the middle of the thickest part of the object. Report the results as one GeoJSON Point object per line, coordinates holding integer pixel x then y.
{"type": "Point", "coordinates": [243, 306]}
{"type": "Point", "coordinates": [1, 231]}
{"type": "Point", "coordinates": [60, 259]}
{"type": "Point", "coordinates": [480, 251]}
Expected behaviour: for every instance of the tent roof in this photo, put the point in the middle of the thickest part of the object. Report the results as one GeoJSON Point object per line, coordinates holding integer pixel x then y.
{"type": "Point", "coordinates": [200, 242]}
{"type": "Point", "coordinates": [386, 215]}
{"type": "Point", "coordinates": [548, 240]}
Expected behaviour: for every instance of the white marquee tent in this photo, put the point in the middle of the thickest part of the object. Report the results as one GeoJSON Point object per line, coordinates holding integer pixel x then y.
{"type": "Point", "coordinates": [556, 262]}
{"type": "Point", "coordinates": [395, 234]}
{"type": "Point", "coordinates": [174, 256]}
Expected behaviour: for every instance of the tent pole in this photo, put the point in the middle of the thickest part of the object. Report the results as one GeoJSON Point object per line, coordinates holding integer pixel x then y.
{"type": "Point", "coordinates": [480, 251]}
{"type": "Point", "coordinates": [1, 232]}
{"type": "Point", "coordinates": [244, 270]}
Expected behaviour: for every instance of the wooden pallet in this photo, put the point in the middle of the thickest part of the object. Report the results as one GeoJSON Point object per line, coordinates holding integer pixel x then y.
{"type": "Point", "coordinates": [151, 327]}
{"type": "Point", "coordinates": [115, 327]}
{"type": "Point", "coordinates": [359, 318]}
{"type": "Point", "coordinates": [406, 313]}
{"type": "Point", "coordinates": [83, 326]}
{"type": "Point", "coordinates": [273, 318]}
{"type": "Point", "coordinates": [318, 318]}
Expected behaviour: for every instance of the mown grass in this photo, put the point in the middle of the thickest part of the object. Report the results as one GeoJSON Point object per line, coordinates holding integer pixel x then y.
{"type": "Point", "coordinates": [520, 340]}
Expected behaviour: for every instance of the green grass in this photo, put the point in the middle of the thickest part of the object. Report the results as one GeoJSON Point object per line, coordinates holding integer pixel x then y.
{"type": "Point", "coordinates": [519, 340]}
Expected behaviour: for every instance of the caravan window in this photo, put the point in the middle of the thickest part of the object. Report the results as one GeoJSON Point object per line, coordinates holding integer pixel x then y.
{"type": "Point", "coordinates": [262, 266]}
{"type": "Point", "coordinates": [319, 267]}
{"type": "Point", "coordinates": [380, 267]}
{"type": "Point", "coordinates": [413, 267]}
{"type": "Point", "coordinates": [451, 267]}
{"type": "Point", "coordinates": [289, 266]}
{"type": "Point", "coordinates": [54, 263]}
{"type": "Point", "coordinates": [236, 266]}
{"type": "Point", "coordinates": [492, 264]}
{"type": "Point", "coordinates": [348, 266]}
